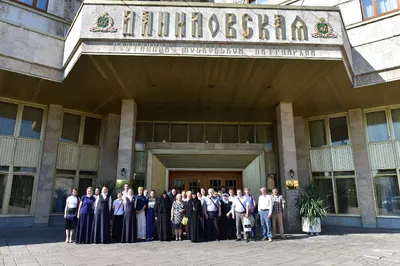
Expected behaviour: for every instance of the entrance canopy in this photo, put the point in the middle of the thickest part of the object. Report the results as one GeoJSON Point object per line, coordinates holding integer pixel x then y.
{"type": "Point", "coordinates": [203, 62]}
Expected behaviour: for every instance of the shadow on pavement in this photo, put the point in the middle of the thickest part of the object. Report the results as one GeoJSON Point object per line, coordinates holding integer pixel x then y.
{"type": "Point", "coordinates": [56, 234]}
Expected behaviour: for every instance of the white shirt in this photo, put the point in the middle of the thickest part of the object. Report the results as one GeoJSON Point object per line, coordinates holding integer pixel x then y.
{"type": "Point", "coordinates": [118, 207]}
{"type": "Point", "coordinates": [265, 203]}
{"type": "Point", "coordinates": [72, 202]}
{"type": "Point", "coordinates": [231, 198]}
{"type": "Point", "coordinates": [239, 203]}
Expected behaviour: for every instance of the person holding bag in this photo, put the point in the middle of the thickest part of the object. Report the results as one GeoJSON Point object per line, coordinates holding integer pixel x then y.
{"type": "Point", "coordinates": [177, 214]}
{"type": "Point", "coordinates": [118, 218]}
{"type": "Point", "coordinates": [240, 211]}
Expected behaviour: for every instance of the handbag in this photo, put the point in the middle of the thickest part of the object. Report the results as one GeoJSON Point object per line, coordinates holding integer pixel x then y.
{"type": "Point", "coordinates": [70, 216]}
{"type": "Point", "coordinates": [247, 224]}
{"type": "Point", "coordinates": [185, 221]}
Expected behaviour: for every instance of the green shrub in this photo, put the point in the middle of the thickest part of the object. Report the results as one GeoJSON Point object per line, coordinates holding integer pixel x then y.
{"type": "Point", "coordinates": [309, 204]}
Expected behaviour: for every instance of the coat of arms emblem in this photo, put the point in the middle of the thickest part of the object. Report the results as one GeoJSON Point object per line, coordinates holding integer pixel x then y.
{"type": "Point", "coordinates": [103, 23]}
{"type": "Point", "coordinates": [323, 30]}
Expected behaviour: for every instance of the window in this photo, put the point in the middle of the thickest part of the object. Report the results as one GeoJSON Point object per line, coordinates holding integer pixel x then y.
{"type": "Point", "coordinates": [196, 133]}
{"type": "Point", "coordinates": [62, 189]}
{"type": "Point", "coordinates": [347, 195]}
{"type": "Point", "coordinates": [84, 183]}
{"type": "Point", "coordinates": [179, 132]}
{"type": "Point", "coordinates": [178, 184]}
{"type": "Point", "coordinates": [396, 123]}
{"type": "Point", "coordinates": [70, 128]}
{"type": "Point", "coordinates": [215, 184]}
{"type": "Point", "coordinates": [264, 134]}
{"type": "Point", "coordinates": [161, 132]}
{"type": "Point", "coordinates": [194, 185]}
{"type": "Point", "coordinates": [91, 134]}
{"type": "Point", "coordinates": [377, 127]}
{"type": "Point", "coordinates": [8, 117]}
{"type": "Point", "coordinates": [387, 194]}
{"type": "Point", "coordinates": [373, 8]}
{"type": "Point", "coordinates": [246, 133]}
{"type": "Point", "coordinates": [317, 133]}
{"type": "Point", "coordinates": [338, 191]}
{"type": "Point", "coordinates": [39, 4]}
{"type": "Point", "coordinates": [144, 132]}
{"type": "Point", "coordinates": [339, 132]}
{"type": "Point", "coordinates": [325, 192]}
{"type": "Point", "coordinates": [259, 2]}
{"type": "Point", "coordinates": [230, 134]}
{"type": "Point", "coordinates": [231, 184]}
{"type": "Point", "coordinates": [3, 181]}
{"type": "Point", "coordinates": [21, 194]}
{"type": "Point", "coordinates": [31, 124]}
{"type": "Point", "coordinates": [213, 133]}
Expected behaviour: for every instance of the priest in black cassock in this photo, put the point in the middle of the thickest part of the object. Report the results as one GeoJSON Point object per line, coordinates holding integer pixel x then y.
{"type": "Point", "coordinates": [163, 217]}
{"type": "Point", "coordinates": [194, 212]}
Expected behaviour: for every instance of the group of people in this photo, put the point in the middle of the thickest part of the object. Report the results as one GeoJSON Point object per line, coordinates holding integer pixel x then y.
{"type": "Point", "coordinates": [203, 217]}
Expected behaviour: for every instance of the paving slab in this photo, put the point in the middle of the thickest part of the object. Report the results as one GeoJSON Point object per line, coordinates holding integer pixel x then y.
{"type": "Point", "coordinates": [45, 246]}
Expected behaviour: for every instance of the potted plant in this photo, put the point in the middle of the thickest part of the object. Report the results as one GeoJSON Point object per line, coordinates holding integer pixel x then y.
{"type": "Point", "coordinates": [60, 197]}
{"type": "Point", "coordinates": [311, 209]}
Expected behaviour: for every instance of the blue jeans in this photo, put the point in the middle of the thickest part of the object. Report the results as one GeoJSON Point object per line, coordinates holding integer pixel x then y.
{"type": "Point", "coordinates": [265, 224]}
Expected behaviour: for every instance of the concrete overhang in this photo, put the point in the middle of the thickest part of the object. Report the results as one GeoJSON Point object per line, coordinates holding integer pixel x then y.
{"type": "Point", "coordinates": [183, 29]}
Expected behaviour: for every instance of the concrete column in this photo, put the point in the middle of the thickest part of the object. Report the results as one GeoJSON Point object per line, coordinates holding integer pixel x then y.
{"type": "Point", "coordinates": [302, 150]}
{"type": "Point", "coordinates": [48, 166]}
{"type": "Point", "coordinates": [365, 189]}
{"type": "Point", "coordinates": [109, 148]}
{"type": "Point", "coordinates": [126, 148]}
{"type": "Point", "coordinates": [287, 161]}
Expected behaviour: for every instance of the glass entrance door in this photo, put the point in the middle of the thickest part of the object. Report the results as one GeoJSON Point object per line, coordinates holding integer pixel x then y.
{"type": "Point", "coordinates": [196, 180]}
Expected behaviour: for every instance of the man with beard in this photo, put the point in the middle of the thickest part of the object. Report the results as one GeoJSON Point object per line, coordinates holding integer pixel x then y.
{"type": "Point", "coordinates": [194, 212]}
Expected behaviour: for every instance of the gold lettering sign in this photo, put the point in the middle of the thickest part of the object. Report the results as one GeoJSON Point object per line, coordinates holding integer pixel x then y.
{"type": "Point", "coordinates": [292, 184]}
{"type": "Point", "coordinates": [226, 25]}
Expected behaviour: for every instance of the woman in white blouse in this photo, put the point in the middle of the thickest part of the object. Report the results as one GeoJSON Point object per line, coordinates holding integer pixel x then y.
{"type": "Point", "coordinates": [70, 215]}
{"type": "Point", "coordinates": [118, 218]}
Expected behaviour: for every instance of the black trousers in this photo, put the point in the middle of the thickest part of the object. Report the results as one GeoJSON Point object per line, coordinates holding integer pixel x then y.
{"type": "Point", "coordinates": [212, 226]}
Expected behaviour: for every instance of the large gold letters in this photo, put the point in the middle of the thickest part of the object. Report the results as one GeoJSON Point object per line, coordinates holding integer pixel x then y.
{"type": "Point", "coordinates": [247, 31]}
{"type": "Point", "coordinates": [197, 24]}
{"type": "Point", "coordinates": [147, 23]}
{"type": "Point", "coordinates": [263, 32]}
{"type": "Point", "coordinates": [180, 24]}
{"type": "Point", "coordinates": [279, 27]}
{"type": "Point", "coordinates": [128, 23]}
{"type": "Point", "coordinates": [163, 23]}
{"type": "Point", "coordinates": [230, 20]}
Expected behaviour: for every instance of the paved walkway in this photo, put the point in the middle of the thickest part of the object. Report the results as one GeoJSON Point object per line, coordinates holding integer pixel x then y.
{"type": "Point", "coordinates": [45, 246]}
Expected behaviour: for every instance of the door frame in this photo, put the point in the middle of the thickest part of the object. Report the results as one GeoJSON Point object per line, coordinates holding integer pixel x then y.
{"type": "Point", "coordinates": [204, 176]}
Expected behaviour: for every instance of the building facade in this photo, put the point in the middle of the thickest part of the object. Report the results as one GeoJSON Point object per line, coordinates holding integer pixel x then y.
{"type": "Point", "coordinates": [194, 95]}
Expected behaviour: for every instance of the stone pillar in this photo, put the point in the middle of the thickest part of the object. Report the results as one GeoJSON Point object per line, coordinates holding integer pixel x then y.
{"type": "Point", "coordinates": [302, 150]}
{"type": "Point", "coordinates": [287, 161]}
{"type": "Point", "coordinates": [48, 166]}
{"type": "Point", "coordinates": [126, 148]}
{"type": "Point", "coordinates": [109, 148]}
{"type": "Point", "coordinates": [365, 189]}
